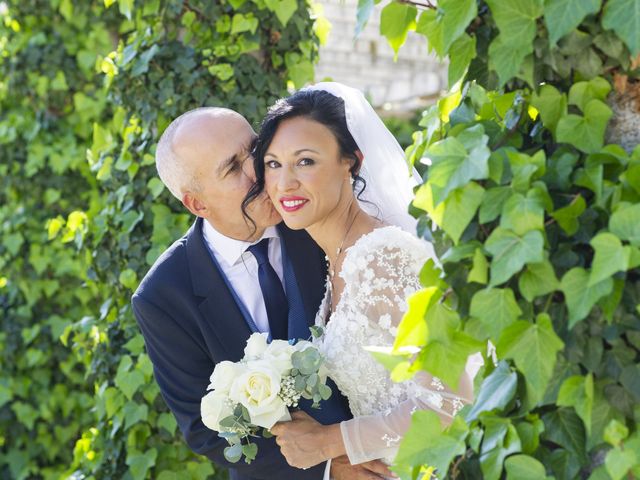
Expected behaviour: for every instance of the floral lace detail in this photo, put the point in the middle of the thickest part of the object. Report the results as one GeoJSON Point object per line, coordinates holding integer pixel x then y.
{"type": "Point", "coordinates": [380, 271]}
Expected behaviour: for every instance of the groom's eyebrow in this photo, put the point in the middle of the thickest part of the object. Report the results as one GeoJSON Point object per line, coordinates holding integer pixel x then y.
{"type": "Point", "coordinates": [227, 163]}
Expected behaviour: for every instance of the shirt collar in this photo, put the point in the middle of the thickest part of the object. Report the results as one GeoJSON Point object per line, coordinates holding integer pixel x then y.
{"type": "Point", "coordinates": [229, 248]}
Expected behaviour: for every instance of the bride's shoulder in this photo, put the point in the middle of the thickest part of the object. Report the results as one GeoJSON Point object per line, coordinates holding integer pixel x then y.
{"type": "Point", "coordinates": [392, 238]}
{"type": "Point", "coordinates": [387, 246]}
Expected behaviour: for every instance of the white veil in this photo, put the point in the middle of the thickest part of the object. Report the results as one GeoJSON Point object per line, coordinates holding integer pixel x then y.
{"type": "Point", "coordinates": [389, 179]}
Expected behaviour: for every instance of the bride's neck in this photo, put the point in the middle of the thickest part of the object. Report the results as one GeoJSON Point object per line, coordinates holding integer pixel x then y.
{"type": "Point", "coordinates": [342, 229]}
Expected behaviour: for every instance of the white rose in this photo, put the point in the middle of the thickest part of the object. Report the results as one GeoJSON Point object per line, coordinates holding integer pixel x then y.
{"type": "Point", "coordinates": [256, 345]}
{"type": "Point", "coordinates": [257, 389]}
{"type": "Point", "coordinates": [278, 354]}
{"type": "Point", "coordinates": [223, 376]}
{"type": "Point", "coordinates": [215, 406]}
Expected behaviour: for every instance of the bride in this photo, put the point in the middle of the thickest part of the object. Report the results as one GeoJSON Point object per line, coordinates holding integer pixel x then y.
{"type": "Point", "coordinates": [331, 167]}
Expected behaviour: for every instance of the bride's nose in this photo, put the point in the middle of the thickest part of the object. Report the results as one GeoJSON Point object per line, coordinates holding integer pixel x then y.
{"type": "Point", "coordinates": [287, 180]}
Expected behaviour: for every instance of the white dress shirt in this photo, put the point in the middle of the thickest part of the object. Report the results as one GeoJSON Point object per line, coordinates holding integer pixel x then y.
{"type": "Point", "coordinates": [241, 268]}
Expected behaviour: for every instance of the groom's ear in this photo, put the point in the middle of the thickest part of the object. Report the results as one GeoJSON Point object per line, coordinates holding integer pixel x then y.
{"type": "Point", "coordinates": [194, 205]}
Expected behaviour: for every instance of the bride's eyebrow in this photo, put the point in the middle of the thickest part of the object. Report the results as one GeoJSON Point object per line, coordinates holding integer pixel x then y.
{"type": "Point", "coordinates": [297, 152]}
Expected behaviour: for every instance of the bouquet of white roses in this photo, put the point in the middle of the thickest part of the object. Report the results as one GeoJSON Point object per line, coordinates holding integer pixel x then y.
{"type": "Point", "coordinates": [251, 395]}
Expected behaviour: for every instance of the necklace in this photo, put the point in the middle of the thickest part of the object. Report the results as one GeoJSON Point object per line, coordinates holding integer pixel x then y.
{"type": "Point", "coordinates": [339, 250]}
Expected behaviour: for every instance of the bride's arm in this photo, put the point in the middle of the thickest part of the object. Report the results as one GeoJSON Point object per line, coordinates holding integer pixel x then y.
{"type": "Point", "coordinates": [394, 276]}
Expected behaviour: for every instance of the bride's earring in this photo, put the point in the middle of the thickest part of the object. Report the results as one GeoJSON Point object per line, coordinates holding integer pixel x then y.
{"type": "Point", "coordinates": [351, 180]}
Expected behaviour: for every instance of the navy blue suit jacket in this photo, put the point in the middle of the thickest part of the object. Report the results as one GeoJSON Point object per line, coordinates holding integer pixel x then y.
{"type": "Point", "coordinates": [190, 321]}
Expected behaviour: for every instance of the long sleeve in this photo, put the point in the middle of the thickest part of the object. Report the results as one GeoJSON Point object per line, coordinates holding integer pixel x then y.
{"type": "Point", "coordinates": [377, 287]}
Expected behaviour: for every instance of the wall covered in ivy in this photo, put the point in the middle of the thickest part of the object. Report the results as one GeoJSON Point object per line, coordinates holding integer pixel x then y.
{"type": "Point", "coordinates": [85, 90]}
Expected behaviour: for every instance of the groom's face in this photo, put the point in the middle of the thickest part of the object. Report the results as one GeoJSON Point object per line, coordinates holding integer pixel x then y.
{"type": "Point", "coordinates": [216, 149]}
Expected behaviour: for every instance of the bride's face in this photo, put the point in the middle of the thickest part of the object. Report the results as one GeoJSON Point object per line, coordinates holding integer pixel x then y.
{"type": "Point", "coordinates": [306, 176]}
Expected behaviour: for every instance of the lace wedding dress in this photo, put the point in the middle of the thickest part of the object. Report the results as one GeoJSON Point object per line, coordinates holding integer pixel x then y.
{"type": "Point", "coordinates": [380, 271]}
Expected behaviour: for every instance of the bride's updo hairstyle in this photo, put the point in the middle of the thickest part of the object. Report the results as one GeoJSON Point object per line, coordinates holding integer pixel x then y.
{"type": "Point", "coordinates": [317, 105]}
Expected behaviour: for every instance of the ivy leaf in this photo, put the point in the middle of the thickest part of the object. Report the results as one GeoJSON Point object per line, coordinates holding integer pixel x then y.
{"type": "Point", "coordinates": [444, 26]}
{"type": "Point", "coordinates": [577, 392]}
{"type": "Point", "coordinates": [563, 16]}
{"type": "Point", "coordinates": [363, 12]}
{"type": "Point", "coordinates": [564, 427]}
{"type": "Point", "coordinates": [496, 308]}
{"type": "Point", "coordinates": [610, 257]}
{"type": "Point", "coordinates": [516, 19]}
{"type": "Point", "coordinates": [140, 463]}
{"type": "Point", "coordinates": [446, 352]}
{"type": "Point", "coordinates": [625, 223]}
{"type": "Point", "coordinates": [506, 57]}
{"type": "Point", "coordinates": [493, 202]}
{"type": "Point", "coordinates": [284, 9]}
{"type": "Point", "coordinates": [500, 440]}
{"type": "Point", "coordinates": [496, 391]}
{"type": "Point", "coordinates": [533, 348]}
{"type": "Point", "coordinates": [480, 270]}
{"type": "Point", "coordinates": [458, 160]}
{"type": "Point", "coordinates": [456, 212]}
{"type": "Point", "coordinates": [396, 20]}
{"type": "Point", "coordinates": [522, 214]}
{"type": "Point", "coordinates": [426, 443]}
{"type": "Point", "coordinates": [582, 92]}
{"type": "Point", "coordinates": [538, 279]}
{"type": "Point", "coordinates": [551, 104]}
{"type": "Point", "coordinates": [412, 330]}
{"type": "Point", "coordinates": [524, 467]}
{"type": "Point", "coordinates": [623, 17]}
{"type": "Point", "coordinates": [585, 133]}
{"type": "Point", "coordinates": [567, 217]}
{"type": "Point", "coordinates": [511, 252]}
{"type": "Point", "coordinates": [579, 296]}
{"type": "Point", "coordinates": [462, 51]}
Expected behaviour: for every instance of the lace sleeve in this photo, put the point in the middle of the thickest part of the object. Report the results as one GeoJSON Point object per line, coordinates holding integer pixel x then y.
{"type": "Point", "coordinates": [391, 274]}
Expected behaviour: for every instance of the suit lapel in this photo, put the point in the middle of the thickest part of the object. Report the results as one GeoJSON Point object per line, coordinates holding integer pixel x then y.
{"type": "Point", "coordinates": [222, 317]}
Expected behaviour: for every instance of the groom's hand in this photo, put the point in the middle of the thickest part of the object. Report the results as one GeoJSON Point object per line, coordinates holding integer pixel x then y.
{"type": "Point", "coordinates": [341, 469]}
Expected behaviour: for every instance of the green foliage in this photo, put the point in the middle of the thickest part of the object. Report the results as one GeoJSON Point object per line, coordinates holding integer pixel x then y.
{"type": "Point", "coordinates": [86, 88]}
{"type": "Point", "coordinates": [535, 221]}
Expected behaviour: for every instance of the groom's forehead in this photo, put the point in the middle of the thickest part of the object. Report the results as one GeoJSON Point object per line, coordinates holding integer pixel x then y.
{"type": "Point", "coordinates": [216, 136]}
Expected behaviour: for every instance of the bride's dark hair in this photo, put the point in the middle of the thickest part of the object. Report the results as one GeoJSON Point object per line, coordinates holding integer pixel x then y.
{"type": "Point", "coordinates": [317, 105]}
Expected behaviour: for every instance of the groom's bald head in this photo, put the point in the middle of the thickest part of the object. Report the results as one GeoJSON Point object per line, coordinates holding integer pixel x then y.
{"type": "Point", "coordinates": [198, 129]}
{"type": "Point", "coordinates": [204, 158]}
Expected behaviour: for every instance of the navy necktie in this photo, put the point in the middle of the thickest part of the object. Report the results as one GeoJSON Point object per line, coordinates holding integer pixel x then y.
{"type": "Point", "coordinates": [273, 294]}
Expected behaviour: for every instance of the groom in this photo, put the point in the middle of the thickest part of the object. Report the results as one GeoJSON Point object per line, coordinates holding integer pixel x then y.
{"type": "Point", "coordinates": [211, 289]}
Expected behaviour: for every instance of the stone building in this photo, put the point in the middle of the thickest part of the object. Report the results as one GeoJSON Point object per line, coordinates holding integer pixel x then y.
{"type": "Point", "coordinates": [416, 79]}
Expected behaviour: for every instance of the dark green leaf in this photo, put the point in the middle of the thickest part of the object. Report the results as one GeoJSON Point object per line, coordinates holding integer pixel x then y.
{"type": "Point", "coordinates": [495, 393]}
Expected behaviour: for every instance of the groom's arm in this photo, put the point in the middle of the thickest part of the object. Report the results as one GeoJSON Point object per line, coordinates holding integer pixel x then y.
{"type": "Point", "coordinates": [182, 369]}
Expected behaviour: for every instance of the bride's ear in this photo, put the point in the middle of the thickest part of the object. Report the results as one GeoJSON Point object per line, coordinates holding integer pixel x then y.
{"type": "Point", "coordinates": [356, 167]}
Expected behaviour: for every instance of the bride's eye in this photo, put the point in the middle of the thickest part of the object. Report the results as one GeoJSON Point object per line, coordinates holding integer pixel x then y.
{"type": "Point", "coordinates": [272, 164]}
{"type": "Point", "coordinates": [306, 161]}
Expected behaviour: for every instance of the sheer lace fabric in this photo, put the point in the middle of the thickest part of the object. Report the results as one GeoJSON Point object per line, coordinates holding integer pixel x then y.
{"type": "Point", "coordinates": [380, 271]}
